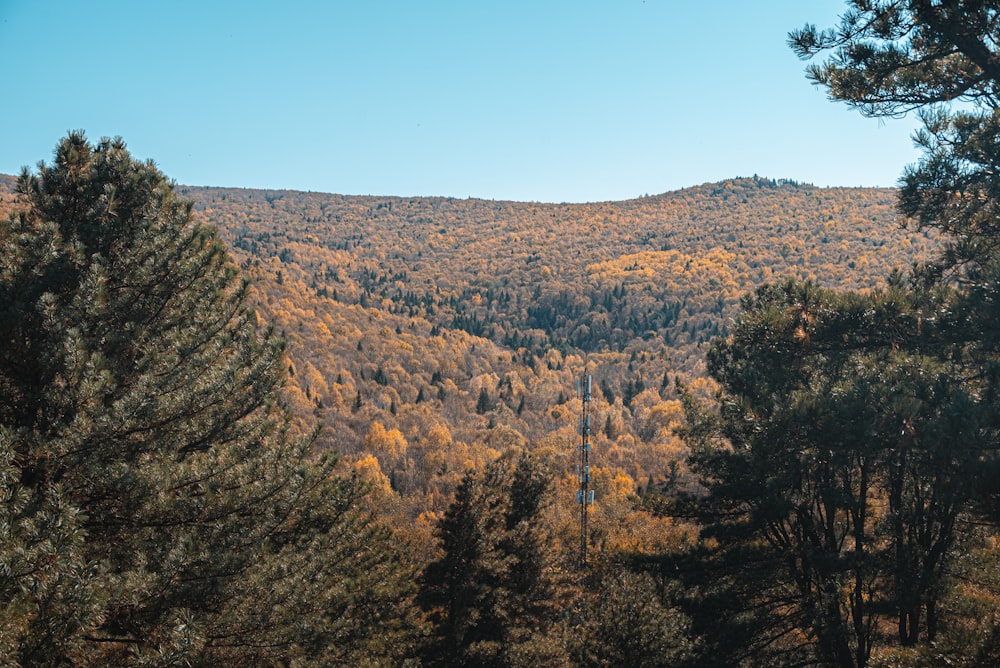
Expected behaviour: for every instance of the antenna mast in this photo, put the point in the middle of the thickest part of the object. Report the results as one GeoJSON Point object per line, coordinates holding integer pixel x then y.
{"type": "Point", "coordinates": [585, 495]}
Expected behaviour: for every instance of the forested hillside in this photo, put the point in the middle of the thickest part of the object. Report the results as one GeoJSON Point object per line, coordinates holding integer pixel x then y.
{"type": "Point", "coordinates": [430, 334]}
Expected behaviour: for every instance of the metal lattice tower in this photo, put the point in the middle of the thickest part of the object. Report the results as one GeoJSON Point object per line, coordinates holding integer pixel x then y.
{"type": "Point", "coordinates": [585, 495]}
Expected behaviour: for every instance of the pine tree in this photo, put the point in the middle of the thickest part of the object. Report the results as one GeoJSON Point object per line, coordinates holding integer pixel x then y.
{"type": "Point", "coordinates": [628, 619]}
{"type": "Point", "coordinates": [157, 508]}
{"type": "Point", "coordinates": [830, 403]}
{"type": "Point", "coordinates": [495, 593]}
{"type": "Point", "coordinates": [941, 60]}
{"type": "Point", "coordinates": [483, 403]}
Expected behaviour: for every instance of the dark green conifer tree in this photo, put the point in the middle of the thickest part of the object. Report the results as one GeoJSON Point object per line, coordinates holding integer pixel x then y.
{"type": "Point", "coordinates": [495, 593]}
{"type": "Point", "coordinates": [851, 439]}
{"type": "Point", "coordinates": [483, 403]}
{"type": "Point", "coordinates": [156, 509]}
{"type": "Point", "coordinates": [627, 618]}
{"type": "Point", "coordinates": [942, 60]}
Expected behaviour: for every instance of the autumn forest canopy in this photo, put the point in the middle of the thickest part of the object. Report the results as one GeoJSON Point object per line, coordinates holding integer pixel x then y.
{"type": "Point", "coordinates": [288, 428]}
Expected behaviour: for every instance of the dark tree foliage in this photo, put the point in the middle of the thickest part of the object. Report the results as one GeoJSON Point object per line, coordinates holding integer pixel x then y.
{"type": "Point", "coordinates": [483, 403]}
{"type": "Point", "coordinates": [627, 617]}
{"type": "Point", "coordinates": [494, 594]}
{"type": "Point", "coordinates": [892, 56]}
{"type": "Point", "coordinates": [155, 508]}
{"type": "Point", "coordinates": [851, 442]}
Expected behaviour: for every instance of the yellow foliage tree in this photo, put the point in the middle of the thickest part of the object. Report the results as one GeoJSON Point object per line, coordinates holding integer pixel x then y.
{"type": "Point", "coordinates": [389, 444]}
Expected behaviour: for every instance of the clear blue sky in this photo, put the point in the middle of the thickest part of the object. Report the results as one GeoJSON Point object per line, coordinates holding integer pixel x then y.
{"type": "Point", "coordinates": [528, 100]}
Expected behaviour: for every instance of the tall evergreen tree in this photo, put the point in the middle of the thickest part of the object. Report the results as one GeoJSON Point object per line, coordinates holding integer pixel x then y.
{"type": "Point", "coordinates": [849, 455]}
{"type": "Point", "coordinates": [156, 508]}
{"type": "Point", "coordinates": [628, 618]}
{"type": "Point", "coordinates": [494, 594]}
{"type": "Point", "coordinates": [941, 59]}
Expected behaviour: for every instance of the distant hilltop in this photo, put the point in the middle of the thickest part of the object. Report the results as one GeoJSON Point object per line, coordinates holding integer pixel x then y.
{"type": "Point", "coordinates": [8, 183]}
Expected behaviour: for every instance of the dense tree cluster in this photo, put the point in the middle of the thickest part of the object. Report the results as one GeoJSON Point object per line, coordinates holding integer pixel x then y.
{"type": "Point", "coordinates": [853, 438]}
{"type": "Point", "coordinates": [493, 593]}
